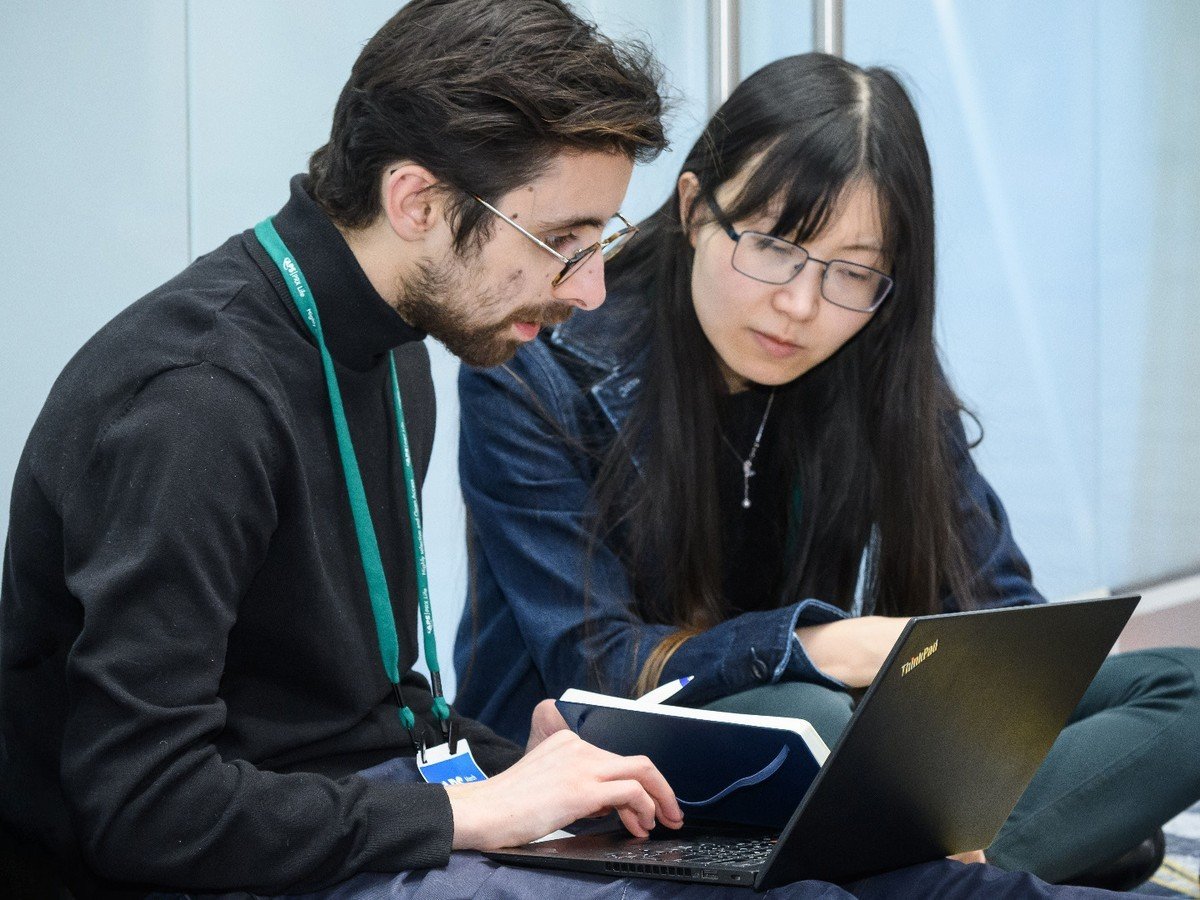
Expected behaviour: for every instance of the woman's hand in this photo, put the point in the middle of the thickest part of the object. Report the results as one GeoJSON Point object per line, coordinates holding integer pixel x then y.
{"type": "Point", "coordinates": [851, 650]}
{"type": "Point", "coordinates": [561, 779]}
{"type": "Point", "coordinates": [546, 721]}
{"type": "Point", "coordinates": [971, 856]}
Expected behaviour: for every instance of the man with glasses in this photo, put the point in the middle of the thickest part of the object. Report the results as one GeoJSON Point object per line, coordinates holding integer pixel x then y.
{"type": "Point", "coordinates": [214, 567]}
{"type": "Point", "coordinates": [618, 233]}
{"type": "Point", "coordinates": [483, 323]}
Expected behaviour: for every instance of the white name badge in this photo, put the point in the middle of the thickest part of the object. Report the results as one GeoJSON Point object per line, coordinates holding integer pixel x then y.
{"type": "Point", "coordinates": [442, 767]}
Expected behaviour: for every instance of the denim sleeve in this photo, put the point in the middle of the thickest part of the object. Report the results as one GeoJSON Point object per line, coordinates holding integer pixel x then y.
{"type": "Point", "coordinates": [526, 485]}
{"type": "Point", "coordinates": [1001, 575]}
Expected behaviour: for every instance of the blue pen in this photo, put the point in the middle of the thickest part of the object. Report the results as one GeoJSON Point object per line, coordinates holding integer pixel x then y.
{"type": "Point", "coordinates": [664, 692]}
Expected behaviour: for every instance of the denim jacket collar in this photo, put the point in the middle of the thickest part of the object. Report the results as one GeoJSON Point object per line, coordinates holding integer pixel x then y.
{"type": "Point", "coordinates": [601, 340]}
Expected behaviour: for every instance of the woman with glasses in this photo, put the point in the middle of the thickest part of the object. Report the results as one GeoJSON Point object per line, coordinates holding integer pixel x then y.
{"type": "Point", "coordinates": [749, 467]}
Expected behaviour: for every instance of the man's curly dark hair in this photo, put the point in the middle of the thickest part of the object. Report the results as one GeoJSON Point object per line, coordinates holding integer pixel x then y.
{"type": "Point", "coordinates": [484, 94]}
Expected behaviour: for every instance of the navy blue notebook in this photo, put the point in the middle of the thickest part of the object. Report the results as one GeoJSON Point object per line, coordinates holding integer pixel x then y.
{"type": "Point", "coordinates": [723, 767]}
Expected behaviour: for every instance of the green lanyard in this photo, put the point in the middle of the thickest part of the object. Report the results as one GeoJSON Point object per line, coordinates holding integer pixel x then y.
{"type": "Point", "coordinates": [368, 544]}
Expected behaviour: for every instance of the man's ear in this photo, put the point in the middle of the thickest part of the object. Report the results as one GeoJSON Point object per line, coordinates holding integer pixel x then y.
{"type": "Point", "coordinates": [688, 188]}
{"type": "Point", "coordinates": [410, 206]}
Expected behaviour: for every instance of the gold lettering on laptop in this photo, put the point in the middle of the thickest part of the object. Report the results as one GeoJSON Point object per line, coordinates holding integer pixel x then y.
{"type": "Point", "coordinates": [918, 659]}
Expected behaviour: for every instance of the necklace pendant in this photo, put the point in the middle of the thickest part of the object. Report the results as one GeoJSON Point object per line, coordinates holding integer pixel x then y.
{"type": "Point", "coordinates": [748, 463]}
{"type": "Point", "coordinates": [747, 474]}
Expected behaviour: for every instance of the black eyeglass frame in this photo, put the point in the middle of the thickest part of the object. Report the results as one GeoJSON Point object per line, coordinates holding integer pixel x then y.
{"type": "Point", "coordinates": [736, 236]}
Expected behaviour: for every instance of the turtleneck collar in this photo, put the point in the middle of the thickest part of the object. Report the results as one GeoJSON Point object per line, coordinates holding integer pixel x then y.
{"type": "Point", "coordinates": [358, 324]}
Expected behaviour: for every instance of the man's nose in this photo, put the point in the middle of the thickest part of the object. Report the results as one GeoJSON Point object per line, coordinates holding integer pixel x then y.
{"type": "Point", "coordinates": [585, 286]}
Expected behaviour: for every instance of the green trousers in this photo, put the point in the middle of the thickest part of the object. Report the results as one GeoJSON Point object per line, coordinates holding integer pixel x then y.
{"type": "Point", "coordinates": [1127, 761]}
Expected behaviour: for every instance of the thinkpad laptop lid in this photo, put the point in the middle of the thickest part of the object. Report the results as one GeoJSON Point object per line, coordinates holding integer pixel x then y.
{"type": "Point", "coordinates": [938, 752]}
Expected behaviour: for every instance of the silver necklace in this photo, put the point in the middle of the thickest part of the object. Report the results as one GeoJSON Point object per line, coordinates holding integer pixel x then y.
{"type": "Point", "coordinates": [748, 463]}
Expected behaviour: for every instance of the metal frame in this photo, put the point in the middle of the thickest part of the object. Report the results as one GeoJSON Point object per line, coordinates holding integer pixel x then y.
{"type": "Point", "coordinates": [829, 26]}
{"type": "Point", "coordinates": [724, 58]}
{"type": "Point", "coordinates": [724, 38]}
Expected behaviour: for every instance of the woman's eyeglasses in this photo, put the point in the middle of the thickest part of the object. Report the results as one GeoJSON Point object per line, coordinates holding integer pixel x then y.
{"type": "Point", "coordinates": [616, 235]}
{"type": "Point", "coordinates": [773, 260]}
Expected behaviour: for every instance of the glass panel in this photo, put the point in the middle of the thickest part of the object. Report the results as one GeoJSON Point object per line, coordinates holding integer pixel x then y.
{"type": "Point", "coordinates": [1148, 245]}
{"type": "Point", "coordinates": [1062, 138]}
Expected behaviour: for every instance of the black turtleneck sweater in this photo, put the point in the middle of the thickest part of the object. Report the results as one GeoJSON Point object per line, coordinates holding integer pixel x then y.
{"type": "Point", "coordinates": [189, 672]}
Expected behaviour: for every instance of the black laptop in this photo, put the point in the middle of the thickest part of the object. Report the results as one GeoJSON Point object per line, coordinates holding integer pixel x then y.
{"type": "Point", "coordinates": [938, 752]}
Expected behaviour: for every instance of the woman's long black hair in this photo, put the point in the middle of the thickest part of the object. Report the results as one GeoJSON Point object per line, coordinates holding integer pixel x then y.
{"type": "Point", "coordinates": [865, 437]}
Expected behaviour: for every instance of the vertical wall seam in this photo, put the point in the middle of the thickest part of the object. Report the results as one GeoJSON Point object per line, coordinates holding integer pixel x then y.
{"type": "Point", "coordinates": [187, 127]}
{"type": "Point", "coordinates": [1101, 371]}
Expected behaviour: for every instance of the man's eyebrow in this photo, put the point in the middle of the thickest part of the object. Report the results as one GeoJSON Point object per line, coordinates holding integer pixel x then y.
{"type": "Point", "coordinates": [579, 222]}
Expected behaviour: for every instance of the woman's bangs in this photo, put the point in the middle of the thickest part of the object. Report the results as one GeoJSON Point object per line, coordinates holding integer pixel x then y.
{"type": "Point", "coordinates": [801, 184]}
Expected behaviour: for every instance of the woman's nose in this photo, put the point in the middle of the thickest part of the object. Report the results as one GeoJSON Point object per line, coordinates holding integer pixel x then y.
{"type": "Point", "coordinates": [800, 298]}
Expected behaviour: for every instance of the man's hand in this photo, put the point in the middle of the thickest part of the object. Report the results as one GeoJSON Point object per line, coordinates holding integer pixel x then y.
{"type": "Point", "coordinates": [851, 650]}
{"type": "Point", "coordinates": [561, 779]}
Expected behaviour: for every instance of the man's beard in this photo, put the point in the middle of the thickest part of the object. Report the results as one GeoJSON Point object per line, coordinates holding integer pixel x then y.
{"type": "Point", "coordinates": [433, 300]}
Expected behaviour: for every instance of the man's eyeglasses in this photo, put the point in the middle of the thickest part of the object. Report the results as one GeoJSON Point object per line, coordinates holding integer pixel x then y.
{"type": "Point", "coordinates": [616, 236]}
{"type": "Point", "coordinates": [773, 260]}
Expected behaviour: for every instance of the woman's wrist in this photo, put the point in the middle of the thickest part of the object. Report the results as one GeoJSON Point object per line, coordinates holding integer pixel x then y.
{"type": "Point", "coordinates": [827, 648]}
{"type": "Point", "coordinates": [851, 650]}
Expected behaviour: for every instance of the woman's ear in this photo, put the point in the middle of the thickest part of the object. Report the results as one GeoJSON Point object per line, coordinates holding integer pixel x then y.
{"type": "Point", "coordinates": [688, 188]}
{"type": "Point", "coordinates": [409, 205]}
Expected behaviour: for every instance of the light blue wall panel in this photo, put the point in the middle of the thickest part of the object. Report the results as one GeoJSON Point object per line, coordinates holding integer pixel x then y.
{"type": "Point", "coordinates": [263, 84]}
{"type": "Point", "coordinates": [773, 29]}
{"type": "Point", "coordinates": [94, 150]}
{"type": "Point", "coordinates": [678, 34]}
{"type": "Point", "coordinates": [1006, 94]}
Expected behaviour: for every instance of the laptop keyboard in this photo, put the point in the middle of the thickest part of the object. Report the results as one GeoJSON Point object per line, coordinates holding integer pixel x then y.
{"type": "Point", "coordinates": [737, 854]}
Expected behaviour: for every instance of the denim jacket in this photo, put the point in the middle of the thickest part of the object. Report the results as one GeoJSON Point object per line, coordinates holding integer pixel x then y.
{"type": "Point", "coordinates": [540, 616]}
